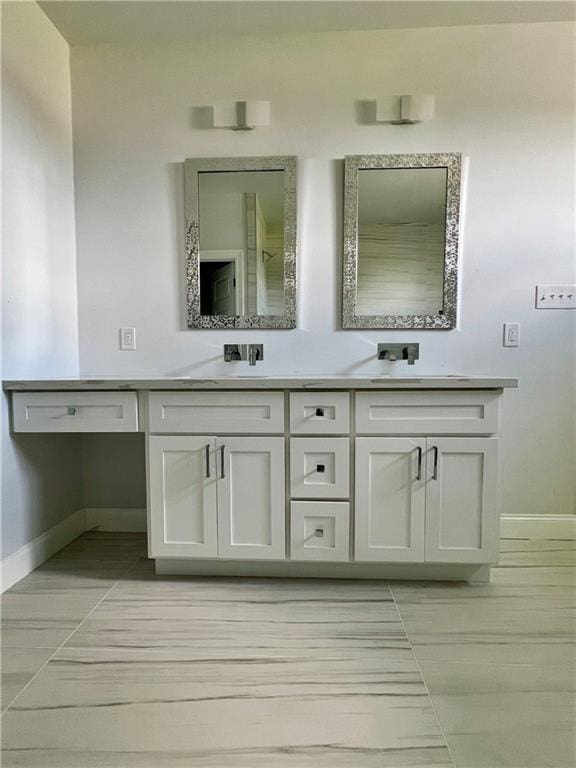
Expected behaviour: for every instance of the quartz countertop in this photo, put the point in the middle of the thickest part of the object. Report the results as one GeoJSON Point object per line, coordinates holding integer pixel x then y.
{"type": "Point", "coordinates": [300, 381]}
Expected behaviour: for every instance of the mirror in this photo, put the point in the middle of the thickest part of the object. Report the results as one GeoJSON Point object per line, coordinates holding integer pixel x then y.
{"type": "Point", "coordinates": [401, 241]}
{"type": "Point", "coordinates": [241, 242]}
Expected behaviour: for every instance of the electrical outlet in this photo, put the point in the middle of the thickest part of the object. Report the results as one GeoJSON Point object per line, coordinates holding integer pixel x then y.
{"type": "Point", "coordinates": [511, 334]}
{"type": "Point", "coordinates": [556, 297]}
{"type": "Point", "coordinates": [128, 338]}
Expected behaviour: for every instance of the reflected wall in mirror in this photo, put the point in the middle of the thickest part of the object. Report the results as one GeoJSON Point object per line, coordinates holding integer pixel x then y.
{"type": "Point", "coordinates": [241, 242]}
{"type": "Point", "coordinates": [401, 241]}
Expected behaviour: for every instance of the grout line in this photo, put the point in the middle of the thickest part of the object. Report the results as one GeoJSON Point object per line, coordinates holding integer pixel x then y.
{"type": "Point", "coordinates": [56, 650]}
{"type": "Point", "coordinates": [442, 731]}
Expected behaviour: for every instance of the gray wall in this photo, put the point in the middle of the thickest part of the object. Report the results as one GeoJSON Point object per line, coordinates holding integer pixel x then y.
{"type": "Point", "coordinates": [41, 476]}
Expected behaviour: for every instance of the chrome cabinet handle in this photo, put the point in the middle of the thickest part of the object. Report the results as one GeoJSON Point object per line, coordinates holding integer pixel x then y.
{"type": "Point", "coordinates": [207, 449]}
{"type": "Point", "coordinates": [419, 473]}
{"type": "Point", "coordinates": [222, 450]}
{"type": "Point", "coordinates": [435, 470]}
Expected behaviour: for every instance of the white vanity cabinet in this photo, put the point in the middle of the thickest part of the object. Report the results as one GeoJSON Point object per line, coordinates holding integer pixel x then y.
{"type": "Point", "coordinates": [344, 477]}
{"type": "Point", "coordinates": [216, 497]}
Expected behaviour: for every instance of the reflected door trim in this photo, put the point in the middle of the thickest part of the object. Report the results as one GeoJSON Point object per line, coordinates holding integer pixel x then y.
{"type": "Point", "coordinates": [192, 167]}
{"type": "Point", "coordinates": [444, 320]}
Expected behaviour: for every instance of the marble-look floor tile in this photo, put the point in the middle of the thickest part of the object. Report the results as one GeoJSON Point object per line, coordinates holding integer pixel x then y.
{"type": "Point", "coordinates": [37, 621]}
{"type": "Point", "coordinates": [97, 545]}
{"type": "Point", "coordinates": [92, 580]}
{"type": "Point", "coordinates": [19, 665]}
{"type": "Point", "coordinates": [489, 623]}
{"type": "Point", "coordinates": [233, 673]}
{"type": "Point", "coordinates": [286, 756]}
{"type": "Point", "coordinates": [530, 575]}
{"type": "Point", "coordinates": [537, 553]}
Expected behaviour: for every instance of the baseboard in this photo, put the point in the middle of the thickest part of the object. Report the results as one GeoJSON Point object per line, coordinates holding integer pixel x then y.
{"type": "Point", "coordinates": [538, 527]}
{"type": "Point", "coordinates": [31, 555]}
{"type": "Point", "coordinates": [131, 520]}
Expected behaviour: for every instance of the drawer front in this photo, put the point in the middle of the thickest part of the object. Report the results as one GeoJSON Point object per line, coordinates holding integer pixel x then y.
{"type": "Point", "coordinates": [319, 413]}
{"type": "Point", "coordinates": [320, 530]}
{"type": "Point", "coordinates": [75, 411]}
{"type": "Point", "coordinates": [319, 467]}
{"type": "Point", "coordinates": [216, 412]}
{"type": "Point", "coordinates": [427, 413]}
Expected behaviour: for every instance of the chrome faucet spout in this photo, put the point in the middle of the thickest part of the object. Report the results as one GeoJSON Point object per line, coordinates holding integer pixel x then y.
{"type": "Point", "coordinates": [255, 352]}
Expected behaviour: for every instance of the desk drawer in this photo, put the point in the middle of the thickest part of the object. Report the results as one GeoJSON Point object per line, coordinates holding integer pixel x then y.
{"type": "Point", "coordinates": [427, 413]}
{"type": "Point", "coordinates": [75, 412]}
{"type": "Point", "coordinates": [216, 413]}
{"type": "Point", "coordinates": [319, 413]}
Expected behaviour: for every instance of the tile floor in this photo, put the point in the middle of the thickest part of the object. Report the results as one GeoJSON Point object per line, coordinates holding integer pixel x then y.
{"type": "Point", "coordinates": [104, 664]}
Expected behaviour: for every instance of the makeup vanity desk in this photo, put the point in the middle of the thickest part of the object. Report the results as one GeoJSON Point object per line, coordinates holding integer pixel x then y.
{"type": "Point", "coordinates": [321, 476]}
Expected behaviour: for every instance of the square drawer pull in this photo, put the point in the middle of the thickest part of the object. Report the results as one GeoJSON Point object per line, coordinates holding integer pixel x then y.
{"type": "Point", "coordinates": [71, 410]}
{"type": "Point", "coordinates": [319, 411]}
{"type": "Point", "coordinates": [319, 533]}
{"type": "Point", "coordinates": [320, 467]}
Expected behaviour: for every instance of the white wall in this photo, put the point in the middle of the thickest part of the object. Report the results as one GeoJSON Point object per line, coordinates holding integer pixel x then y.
{"type": "Point", "coordinates": [41, 476]}
{"type": "Point", "coordinates": [505, 99]}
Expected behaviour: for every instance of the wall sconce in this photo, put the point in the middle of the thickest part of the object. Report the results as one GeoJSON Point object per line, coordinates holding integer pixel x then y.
{"type": "Point", "coordinates": [240, 115]}
{"type": "Point", "coordinates": [400, 110]}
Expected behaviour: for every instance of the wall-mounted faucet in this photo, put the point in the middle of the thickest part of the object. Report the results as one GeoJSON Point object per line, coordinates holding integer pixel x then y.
{"type": "Point", "coordinates": [250, 352]}
{"type": "Point", "coordinates": [393, 352]}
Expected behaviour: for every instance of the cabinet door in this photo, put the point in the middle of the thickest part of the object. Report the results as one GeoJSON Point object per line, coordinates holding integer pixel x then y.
{"type": "Point", "coordinates": [461, 500]}
{"type": "Point", "coordinates": [251, 506]}
{"type": "Point", "coordinates": [390, 497]}
{"type": "Point", "coordinates": [182, 481]}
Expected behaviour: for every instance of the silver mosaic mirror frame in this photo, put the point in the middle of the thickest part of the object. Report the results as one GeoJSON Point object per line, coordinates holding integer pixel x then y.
{"type": "Point", "coordinates": [446, 320]}
{"type": "Point", "coordinates": [192, 167]}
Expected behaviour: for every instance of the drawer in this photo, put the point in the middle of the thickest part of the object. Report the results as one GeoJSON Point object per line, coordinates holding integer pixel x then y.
{"type": "Point", "coordinates": [320, 530]}
{"type": "Point", "coordinates": [219, 413]}
{"type": "Point", "coordinates": [319, 467]}
{"type": "Point", "coordinates": [427, 413]}
{"type": "Point", "coordinates": [75, 411]}
{"type": "Point", "coordinates": [319, 413]}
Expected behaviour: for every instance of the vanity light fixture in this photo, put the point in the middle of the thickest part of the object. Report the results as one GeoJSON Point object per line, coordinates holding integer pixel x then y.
{"type": "Point", "coordinates": [403, 110]}
{"type": "Point", "coordinates": [240, 115]}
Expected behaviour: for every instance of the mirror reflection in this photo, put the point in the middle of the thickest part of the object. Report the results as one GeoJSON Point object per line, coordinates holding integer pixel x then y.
{"type": "Point", "coordinates": [401, 241]}
{"type": "Point", "coordinates": [241, 242]}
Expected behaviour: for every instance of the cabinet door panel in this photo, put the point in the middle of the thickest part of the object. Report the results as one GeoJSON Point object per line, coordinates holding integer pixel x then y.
{"type": "Point", "coordinates": [182, 497]}
{"type": "Point", "coordinates": [251, 506]}
{"type": "Point", "coordinates": [461, 500]}
{"type": "Point", "coordinates": [390, 496]}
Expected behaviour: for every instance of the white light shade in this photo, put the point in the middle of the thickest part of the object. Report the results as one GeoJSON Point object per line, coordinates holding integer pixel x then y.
{"type": "Point", "coordinates": [416, 108]}
{"type": "Point", "coordinates": [409, 108]}
{"type": "Point", "coordinates": [240, 114]}
{"type": "Point", "coordinates": [225, 114]}
{"type": "Point", "coordinates": [257, 113]}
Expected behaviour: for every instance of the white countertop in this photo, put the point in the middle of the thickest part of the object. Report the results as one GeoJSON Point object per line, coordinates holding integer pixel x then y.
{"type": "Point", "coordinates": [338, 381]}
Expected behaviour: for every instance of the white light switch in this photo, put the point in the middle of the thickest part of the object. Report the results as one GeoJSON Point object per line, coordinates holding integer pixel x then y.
{"type": "Point", "coordinates": [128, 338]}
{"type": "Point", "coordinates": [511, 334]}
{"type": "Point", "coordinates": [556, 297]}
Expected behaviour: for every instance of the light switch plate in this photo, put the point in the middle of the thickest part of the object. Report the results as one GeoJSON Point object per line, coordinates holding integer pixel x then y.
{"type": "Point", "coordinates": [128, 338]}
{"type": "Point", "coordinates": [556, 297]}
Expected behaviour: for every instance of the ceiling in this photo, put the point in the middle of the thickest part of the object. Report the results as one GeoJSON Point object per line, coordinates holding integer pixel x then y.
{"type": "Point", "coordinates": [133, 22]}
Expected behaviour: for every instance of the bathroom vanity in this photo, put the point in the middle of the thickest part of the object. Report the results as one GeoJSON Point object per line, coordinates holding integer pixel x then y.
{"type": "Point", "coordinates": [305, 476]}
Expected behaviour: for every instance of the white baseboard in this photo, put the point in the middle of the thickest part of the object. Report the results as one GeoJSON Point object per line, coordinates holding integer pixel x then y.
{"type": "Point", "coordinates": [31, 555]}
{"type": "Point", "coordinates": [109, 519]}
{"type": "Point", "coordinates": [538, 527]}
